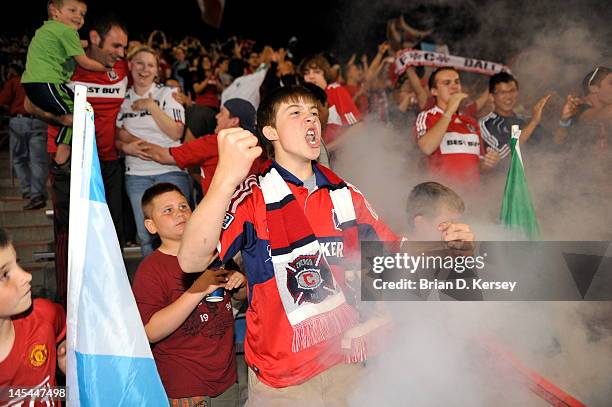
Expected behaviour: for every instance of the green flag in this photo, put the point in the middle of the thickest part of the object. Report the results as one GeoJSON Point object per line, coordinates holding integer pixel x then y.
{"type": "Point", "coordinates": [517, 210]}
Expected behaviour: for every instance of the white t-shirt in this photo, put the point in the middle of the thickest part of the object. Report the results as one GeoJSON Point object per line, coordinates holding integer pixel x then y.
{"type": "Point", "coordinates": [140, 123]}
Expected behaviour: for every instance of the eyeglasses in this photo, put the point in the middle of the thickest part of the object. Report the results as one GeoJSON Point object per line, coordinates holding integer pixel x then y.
{"type": "Point", "coordinates": [593, 76]}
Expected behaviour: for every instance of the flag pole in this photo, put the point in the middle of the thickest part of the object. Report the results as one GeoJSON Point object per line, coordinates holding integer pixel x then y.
{"type": "Point", "coordinates": [109, 359]}
{"type": "Point", "coordinates": [517, 211]}
{"type": "Point", "coordinates": [516, 135]}
{"type": "Point", "coordinates": [76, 244]}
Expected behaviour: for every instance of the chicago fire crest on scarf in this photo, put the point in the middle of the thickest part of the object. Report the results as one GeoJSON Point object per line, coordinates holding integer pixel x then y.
{"type": "Point", "coordinates": [314, 302]}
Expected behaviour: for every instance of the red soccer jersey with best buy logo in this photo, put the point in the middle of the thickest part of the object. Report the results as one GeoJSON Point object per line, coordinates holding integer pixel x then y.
{"type": "Point", "coordinates": [105, 92]}
{"type": "Point", "coordinates": [457, 159]}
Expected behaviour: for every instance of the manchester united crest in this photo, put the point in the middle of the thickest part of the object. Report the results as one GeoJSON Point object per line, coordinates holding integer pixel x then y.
{"type": "Point", "coordinates": [38, 355]}
{"type": "Point", "coordinates": [309, 279]}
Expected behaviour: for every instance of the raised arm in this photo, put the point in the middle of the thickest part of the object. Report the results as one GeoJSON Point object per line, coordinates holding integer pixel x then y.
{"type": "Point", "coordinates": [376, 64]}
{"type": "Point", "coordinates": [535, 119]}
{"type": "Point", "coordinates": [430, 141]}
{"type": "Point", "coordinates": [237, 150]}
{"type": "Point", "coordinates": [482, 99]}
{"type": "Point", "coordinates": [570, 108]}
{"type": "Point", "coordinates": [422, 94]}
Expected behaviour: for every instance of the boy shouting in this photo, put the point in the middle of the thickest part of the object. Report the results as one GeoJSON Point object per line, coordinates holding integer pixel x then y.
{"type": "Point", "coordinates": [298, 226]}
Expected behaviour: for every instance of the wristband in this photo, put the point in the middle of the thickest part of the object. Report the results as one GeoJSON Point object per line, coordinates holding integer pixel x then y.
{"type": "Point", "coordinates": [565, 123]}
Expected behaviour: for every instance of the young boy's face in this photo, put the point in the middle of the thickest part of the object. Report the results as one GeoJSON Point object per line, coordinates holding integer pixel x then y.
{"type": "Point", "coordinates": [315, 75]}
{"type": "Point", "coordinates": [71, 13]}
{"type": "Point", "coordinates": [297, 131]}
{"type": "Point", "coordinates": [426, 227]}
{"type": "Point", "coordinates": [15, 289]}
{"type": "Point", "coordinates": [169, 212]}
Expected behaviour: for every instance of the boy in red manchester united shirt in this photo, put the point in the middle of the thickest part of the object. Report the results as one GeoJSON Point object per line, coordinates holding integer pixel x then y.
{"type": "Point", "coordinates": [30, 332]}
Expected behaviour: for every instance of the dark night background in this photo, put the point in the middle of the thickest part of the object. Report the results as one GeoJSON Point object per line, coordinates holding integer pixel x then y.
{"type": "Point", "coordinates": [345, 25]}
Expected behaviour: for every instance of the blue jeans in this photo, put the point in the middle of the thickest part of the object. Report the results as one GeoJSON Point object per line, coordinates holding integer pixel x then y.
{"type": "Point", "coordinates": [136, 185]}
{"type": "Point", "coordinates": [28, 140]}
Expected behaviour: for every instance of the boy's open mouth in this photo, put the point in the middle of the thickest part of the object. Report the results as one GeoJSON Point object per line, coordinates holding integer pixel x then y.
{"type": "Point", "coordinates": [311, 137]}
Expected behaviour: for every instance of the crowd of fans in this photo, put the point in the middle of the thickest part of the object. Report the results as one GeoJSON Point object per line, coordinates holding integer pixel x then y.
{"type": "Point", "coordinates": [161, 108]}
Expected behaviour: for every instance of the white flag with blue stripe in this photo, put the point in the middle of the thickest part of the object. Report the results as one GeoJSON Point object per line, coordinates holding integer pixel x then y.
{"type": "Point", "coordinates": [109, 360]}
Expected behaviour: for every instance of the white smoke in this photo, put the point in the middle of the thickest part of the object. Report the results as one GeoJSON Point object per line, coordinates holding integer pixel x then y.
{"type": "Point", "coordinates": [435, 356]}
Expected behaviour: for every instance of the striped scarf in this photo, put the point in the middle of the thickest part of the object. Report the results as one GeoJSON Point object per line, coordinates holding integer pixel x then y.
{"type": "Point", "coordinates": [314, 302]}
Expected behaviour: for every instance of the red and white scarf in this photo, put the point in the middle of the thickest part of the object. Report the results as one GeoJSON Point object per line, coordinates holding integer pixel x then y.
{"type": "Point", "coordinates": [314, 302]}
{"type": "Point", "coordinates": [413, 57]}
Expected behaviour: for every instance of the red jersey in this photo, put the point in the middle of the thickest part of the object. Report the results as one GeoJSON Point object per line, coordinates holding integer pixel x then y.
{"type": "Point", "coordinates": [13, 95]}
{"type": "Point", "coordinates": [457, 159]}
{"type": "Point", "coordinates": [269, 334]}
{"type": "Point", "coordinates": [362, 100]}
{"type": "Point", "coordinates": [209, 97]}
{"type": "Point", "coordinates": [105, 92]}
{"type": "Point", "coordinates": [203, 152]}
{"type": "Point", "coordinates": [342, 111]}
{"type": "Point", "coordinates": [33, 359]}
{"type": "Point", "coordinates": [197, 359]}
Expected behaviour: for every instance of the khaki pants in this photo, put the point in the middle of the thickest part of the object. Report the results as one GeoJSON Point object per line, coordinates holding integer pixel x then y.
{"type": "Point", "coordinates": [229, 398]}
{"type": "Point", "coordinates": [329, 389]}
